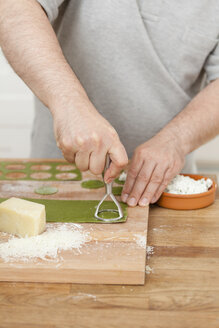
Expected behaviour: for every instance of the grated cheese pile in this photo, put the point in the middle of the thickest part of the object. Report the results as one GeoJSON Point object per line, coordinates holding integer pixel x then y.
{"type": "Point", "coordinates": [47, 245]}
{"type": "Point", "coordinates": [185, 185]}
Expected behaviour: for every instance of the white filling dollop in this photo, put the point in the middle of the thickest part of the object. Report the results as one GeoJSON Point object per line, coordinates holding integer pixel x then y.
{"type": "Point", "coordinates": [123, 176]}
{"type": "Point", "coordinates": [185, 185]}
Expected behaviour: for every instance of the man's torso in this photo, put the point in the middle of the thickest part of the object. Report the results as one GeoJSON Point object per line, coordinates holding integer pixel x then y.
{"type": "Point", "coordinates": [140, 62]}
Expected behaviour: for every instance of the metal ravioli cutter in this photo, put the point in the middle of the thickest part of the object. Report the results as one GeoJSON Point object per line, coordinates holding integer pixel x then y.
{"type": "Point", "coordinates": [108, 193]}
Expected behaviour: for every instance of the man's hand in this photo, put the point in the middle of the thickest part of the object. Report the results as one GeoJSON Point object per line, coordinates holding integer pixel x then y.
{"type": "Point", "coordinates": [153, 166]}
{"type": "Point", "coordinates": [157, 161]}
{"type": "Point", "coordinates": [85, 138]}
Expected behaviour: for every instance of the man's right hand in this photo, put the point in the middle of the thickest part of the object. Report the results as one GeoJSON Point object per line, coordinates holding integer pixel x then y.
{"type": "Point", "coordinates": [30, 45]}
{"type": "Point", "coordinates": [85, 138]}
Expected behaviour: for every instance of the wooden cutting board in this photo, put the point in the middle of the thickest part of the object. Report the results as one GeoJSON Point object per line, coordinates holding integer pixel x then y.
{"type": "Point", "coordinates": [115, 254]}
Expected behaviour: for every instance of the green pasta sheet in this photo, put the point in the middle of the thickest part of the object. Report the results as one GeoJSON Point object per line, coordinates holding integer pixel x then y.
{"type": "Point", "coordinates": [97, 184]}
{"type": "Point", "coordinates": [76, 211]}
{"type": "Point", "coordinates": [117, 190]}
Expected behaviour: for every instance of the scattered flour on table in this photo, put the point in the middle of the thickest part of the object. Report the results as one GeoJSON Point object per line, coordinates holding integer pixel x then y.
{"type": "Point", "coordinates": [46, 245]}
{"type": "Point", "coordinates": [148, 269]}
{"type": "Point", "coordinates": [140, 240]}
{"type": "Point", "coordinates": [150, 250]}
{"type": "Point", "coordinates": [8, 187]}
{"type": "Point", "coordinates": [186, 186]}
{"type": "Point", "coordinates": [123, 176]}
{"type": "Point", "coordinates": [82, 296]}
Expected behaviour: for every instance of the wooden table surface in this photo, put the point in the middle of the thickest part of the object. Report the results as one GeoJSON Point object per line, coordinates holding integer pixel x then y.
{"type": "Point", "coordinates": [182, 290]}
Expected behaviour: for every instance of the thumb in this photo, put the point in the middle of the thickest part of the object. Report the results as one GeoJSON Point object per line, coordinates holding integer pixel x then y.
{"type": "Point", "coordinates": [119, 160]}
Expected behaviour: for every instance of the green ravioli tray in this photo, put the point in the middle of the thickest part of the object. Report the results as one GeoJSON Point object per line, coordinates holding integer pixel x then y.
{"type": "Point", "coordinates": [46, 171]}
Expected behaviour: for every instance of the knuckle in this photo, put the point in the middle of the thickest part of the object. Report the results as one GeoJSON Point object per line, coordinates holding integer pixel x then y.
{"type": "Point", "coordinates": [148, 195]}
{"type": "Point", "coordinates": [99, 169]}
{"type": "Point", "coordinates": [126, 189]}
{"type": "Point", "coordinates": [122, 163]}
{"type": "Point", "coordinates": [92, 139]}
{"type": "Point", "coordinates": [79, 166]}
{"type": "Point", "coordinates": [79, 140]}
{"type": "Point", "coordinates": [156, 179]}
{"type": "Point", "coordinates": [95, 170]}
{"type": "Point", "coordinates": [82, 142]}
{"type": "Point", "coordinates": [68, 159]}
{"type": "Point", "coordinates": [136, 194]}
{"type": "Point", "coordinates": [133, 172]}
{"type": "Point", "coordinates": [143, 176]}
{"type": "Point", "coordinates": [87, 142]}
{"type": "Point", "coordinates": [96, 167]}
{"type": "Point", "coordinates": [95, 140]}
{"type": "Point", "coordinates": [66, 144]}
{"type": "Point", "coordinates": [83, 168]}
{"type": "Point", "coordinates": [165, 182]}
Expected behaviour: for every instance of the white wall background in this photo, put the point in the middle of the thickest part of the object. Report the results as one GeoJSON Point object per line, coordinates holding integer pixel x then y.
{"type": "Point", "coordinates": [16, 116]}
{"type": "Point", "coordinates": [16, 113]}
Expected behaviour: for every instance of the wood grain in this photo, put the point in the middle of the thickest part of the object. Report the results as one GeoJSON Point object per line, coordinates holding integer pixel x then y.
{"type": "Point", "coordinates": [182, 291]}
{"type": "Point", "coordinates": [112, 256]}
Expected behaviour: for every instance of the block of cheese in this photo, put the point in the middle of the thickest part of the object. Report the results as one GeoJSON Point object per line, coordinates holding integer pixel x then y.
{"type": "Point", "coordinates": [21, 217]}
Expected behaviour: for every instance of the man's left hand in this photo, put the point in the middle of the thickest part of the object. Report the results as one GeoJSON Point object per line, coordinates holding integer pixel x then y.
{"type": "Point", "coordinates": [154, 164]}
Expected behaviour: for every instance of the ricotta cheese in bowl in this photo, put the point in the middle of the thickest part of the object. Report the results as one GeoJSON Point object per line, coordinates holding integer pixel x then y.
{"type": "Point", "coordinates": [188, 192]}
{"type": "Point", "coordinates": [185, 185]}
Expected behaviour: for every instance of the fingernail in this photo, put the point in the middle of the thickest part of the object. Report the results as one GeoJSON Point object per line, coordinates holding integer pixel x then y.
{"type": "Point", "coordinates": [144, 202]}
{"type": "Point", "coordinates": [132, 201]}
{"type": "Point", "coordinates": [124, 197]}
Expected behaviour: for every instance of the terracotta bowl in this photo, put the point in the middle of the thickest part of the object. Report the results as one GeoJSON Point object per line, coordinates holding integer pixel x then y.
{"type": "Point", "coordinates": [188, 202]}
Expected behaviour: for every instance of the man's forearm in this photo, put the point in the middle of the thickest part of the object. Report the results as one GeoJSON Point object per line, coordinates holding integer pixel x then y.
{"type": "Point", "coordinates": [198, 122]}
{"type": "Point", "coordinates": [32, 49]}
{"type": "Point", "coordinates": [30, 45]}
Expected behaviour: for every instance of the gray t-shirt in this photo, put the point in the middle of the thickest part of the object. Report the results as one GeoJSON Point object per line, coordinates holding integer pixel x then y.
{"type": "Point", "coordinates": [140, 62]}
